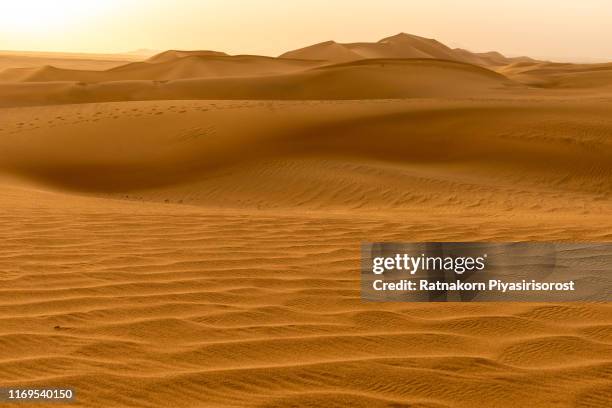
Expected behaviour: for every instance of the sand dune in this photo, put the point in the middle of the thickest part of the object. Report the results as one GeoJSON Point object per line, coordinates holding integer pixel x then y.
{"type": "Point", "coordinates": [179, 68]}
{"type": "Point", "coordinates": [330, 51]}
{"type": "Point", "coordinates": [443, 153]}
{"type": "Point", "coordinates": [561, 75]}
{"type": "Point", "coordinates": [398, 46]}
{"type": "Point", "coordinates": [401, 66]}
{"type": "Point", "coordinates": [23, 59]}
{"type": "Point", "coordinates": [378, 79]}
{"type": "Point", "coordinates": [172, 55]}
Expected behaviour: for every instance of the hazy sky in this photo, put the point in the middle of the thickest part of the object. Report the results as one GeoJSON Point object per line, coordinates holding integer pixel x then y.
{"type": "Point", "coordinates": [540, 28]}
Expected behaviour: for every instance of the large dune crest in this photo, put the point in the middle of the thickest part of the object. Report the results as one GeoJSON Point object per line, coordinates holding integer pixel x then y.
{"type": "Point", "coordinates": [171, 55]}
{"type": "Point", "coordinates": [398, 46]}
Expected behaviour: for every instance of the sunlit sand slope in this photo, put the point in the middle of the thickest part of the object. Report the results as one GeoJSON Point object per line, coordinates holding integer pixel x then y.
{"type": "Point", "coordinates": [345, 154]}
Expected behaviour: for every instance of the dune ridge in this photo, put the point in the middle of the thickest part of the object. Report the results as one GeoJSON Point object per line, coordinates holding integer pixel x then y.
{"type": "Point", "coordinates": [380, 79]}
{"type": "Point", "coordinates": [401, 45]}
{"type": "Point", "coordinates": [400, 66]}
{"type": "Point", "coordinates": [561, 75]}
{"type": "Point", "coordinates": [25, 59]}
{"type": "Point", "coordinates": [184, 67]}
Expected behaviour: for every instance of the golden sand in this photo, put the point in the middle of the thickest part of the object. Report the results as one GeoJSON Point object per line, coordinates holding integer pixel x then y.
{"type": "Point", "coordinates": [193, 253]}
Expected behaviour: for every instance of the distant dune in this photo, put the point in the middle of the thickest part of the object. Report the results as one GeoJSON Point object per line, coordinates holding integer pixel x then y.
{"type": "Point", "coordinates": [166, 68]}
{"type": "Point", "coordinates": [400, 66]}
{"type": "Point", "coordinates": [367, 79]}
{"type": "Point", "coordinates": [398, 46]}
{"type": "Point", "coordinates": [561, 75]}
{"type": "Point", "coordinates": [23, 59]}
{"type": "Point", "coordinates": [172, 55]}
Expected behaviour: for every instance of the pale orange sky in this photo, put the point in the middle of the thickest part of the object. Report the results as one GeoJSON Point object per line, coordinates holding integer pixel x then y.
{"type": "Point", "coordinates": [564, 29]}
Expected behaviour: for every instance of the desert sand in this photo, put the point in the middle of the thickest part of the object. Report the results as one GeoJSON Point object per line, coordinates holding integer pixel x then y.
{"type": "Point", "coordinates": [185, 231]}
